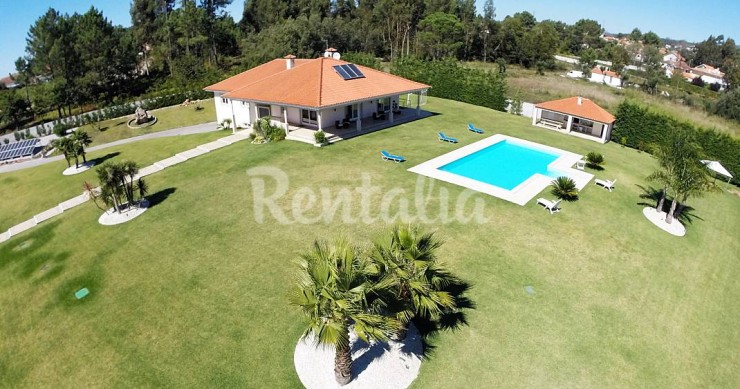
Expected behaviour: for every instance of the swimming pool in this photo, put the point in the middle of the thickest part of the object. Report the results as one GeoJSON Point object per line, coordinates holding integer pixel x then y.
{"type": "Point", "coordinates": [504, 164]}
{"type": "Point", "coordinates": [510, 168]}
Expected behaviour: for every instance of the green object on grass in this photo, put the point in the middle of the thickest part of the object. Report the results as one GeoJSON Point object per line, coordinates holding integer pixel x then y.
{"type": "Point", "coordinates": [80, 294]}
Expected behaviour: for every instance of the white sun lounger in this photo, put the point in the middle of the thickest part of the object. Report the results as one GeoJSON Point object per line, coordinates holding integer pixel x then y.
{"type": "Point", "coordinates": [551, 206]}
{"type": "Point", "coordinates": [608, 185]}
{"type": "Point", "coordinates": [580, 165]}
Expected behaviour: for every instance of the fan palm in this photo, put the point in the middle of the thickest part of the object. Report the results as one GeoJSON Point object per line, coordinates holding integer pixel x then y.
{"type": "Point", "coordinates": [408, 264]}
{"type": "Point", "coordinates": [594, 160]}
{"type": "Point", "coordinates": [333, 289]}
{"type": "Point", "coordinates": [564, 188]}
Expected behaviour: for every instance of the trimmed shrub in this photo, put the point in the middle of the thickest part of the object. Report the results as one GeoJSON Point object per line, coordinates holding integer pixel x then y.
{"type": "Point", "coordinates": [594, 160]}
{"type": "Point", "coordinates": [564, 188]}
{"type": "Point", "coordinates": [451, 81]}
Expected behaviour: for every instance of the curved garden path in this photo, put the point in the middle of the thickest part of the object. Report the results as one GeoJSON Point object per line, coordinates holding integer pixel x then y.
{"type": "Point", "coordinates": [189, 130]}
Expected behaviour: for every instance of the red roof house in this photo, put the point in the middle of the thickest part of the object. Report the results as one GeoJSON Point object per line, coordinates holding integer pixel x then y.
{"type": "Point", "coordinates": [314, 94]}
{"type": "Point", "coordinates": [577, 116]}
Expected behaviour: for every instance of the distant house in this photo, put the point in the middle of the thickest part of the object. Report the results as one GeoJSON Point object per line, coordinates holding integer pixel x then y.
{"type": "Point", "coordinates": [607, 77]}
{"type": "Point", "coordinates": [308, 95]}
{"type": "Point", "coordinates": [709, 74]}
{"type": "Point", "coordinates": [9, 82]}
{"type": "Point", "coordinates": [576, 116]}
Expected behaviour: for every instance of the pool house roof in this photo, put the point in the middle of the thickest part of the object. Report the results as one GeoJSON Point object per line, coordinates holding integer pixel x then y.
{"type": "Point", "coordinates": [580, 107]}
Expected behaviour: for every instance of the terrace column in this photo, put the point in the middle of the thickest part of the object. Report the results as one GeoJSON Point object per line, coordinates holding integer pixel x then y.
{"type": "Point", "coordinates": [285, 118]}
{"type": "Point", "coordinates": [359, 117]}
{"type": "Point", "coordinates": [391, 115]}
{"type": "Point", "coordinates": [254, 115]}
{"type": "Point", "coordinates": [318, 116]}
{"type": "Point", "coordinates": [418, 103]}
{"type": "Point", "coordinates": [570, 122]}
{"type": "Point", "coordinates": [534, 116]}
{"type": "Point", "coordinates": [233, 116]}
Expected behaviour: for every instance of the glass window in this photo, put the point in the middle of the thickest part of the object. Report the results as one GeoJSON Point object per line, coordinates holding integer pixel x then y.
{"type": "Point", "coordinates": [351, 111]}
{"type": "Point", "coordinates": [224, 100]}
{"type": "Point", "coordinates": [263, 111]}
{"type": "Point", "coordinates": [308, 116]}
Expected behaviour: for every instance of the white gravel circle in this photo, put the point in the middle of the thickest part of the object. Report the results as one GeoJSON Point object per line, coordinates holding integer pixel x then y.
{"type": "Point", "coordinates": [70, 171]}
{"type": "Point", "coordinates": [391, 365]}
{"type": "Point", "coordinates": [658, 218]}
{"type": "Point", "coordinates": [111, 217]}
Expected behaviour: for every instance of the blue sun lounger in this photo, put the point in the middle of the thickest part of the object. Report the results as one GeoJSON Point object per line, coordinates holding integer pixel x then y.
{"type": "Point", "coordinates": [390, 157]}
{"type": "Point", "coordinates": [473, 128]}
{"type": "Point", "coordinates": [446, 138]}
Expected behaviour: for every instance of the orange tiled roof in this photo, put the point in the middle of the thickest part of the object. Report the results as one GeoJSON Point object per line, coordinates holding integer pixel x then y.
{"type": "Point", "coordinates": [587, 109]}
{"type": "Point", "coordinates": [605, 73]}
{"type": "Point", "coordinates": [311, 83]}
{"type": "Point", "coordinates": [251, 76]}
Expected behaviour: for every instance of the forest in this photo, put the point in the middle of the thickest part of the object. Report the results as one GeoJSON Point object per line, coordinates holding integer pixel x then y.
{"type": "Point", "coordinates": [79, 62]}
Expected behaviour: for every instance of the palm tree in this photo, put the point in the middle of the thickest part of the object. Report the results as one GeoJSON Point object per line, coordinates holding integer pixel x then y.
{"type": "Point", "coordinates": [564, 188]}
{"type": "Point", "coordinates": [81, 140]}
{"type": "Point", "coordinates": [333, 288]}
{"type": "Point", "coordinates": [93, 193]}
{"type": "Point", "coordinates": [111, 191]}
{"type": "Point", "coordinates": [408, 265]}
{"type": "Point", "coordinates": [680, 169]}
{"type": "Point", "coordinates": [594, 160]}
{"type": "Point", "coordinates": [65, 146]}
{"type": "Point", "coordinates": [129, 169]}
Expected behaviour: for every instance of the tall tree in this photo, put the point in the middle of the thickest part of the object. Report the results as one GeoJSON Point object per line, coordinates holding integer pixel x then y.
{"type": "Point", "coordinates": [680, 169]}
{"type": "Point", "coordinates": [440, 35]}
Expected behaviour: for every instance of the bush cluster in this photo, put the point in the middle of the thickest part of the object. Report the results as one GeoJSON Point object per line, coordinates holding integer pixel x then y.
{"type": "Point", "coordinates": [452, 81]}
{"type": "Point", "coordinates": [639, 127]}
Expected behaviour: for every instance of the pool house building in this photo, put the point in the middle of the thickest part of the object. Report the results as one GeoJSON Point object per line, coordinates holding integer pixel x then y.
{"type": "Point", "coordinates": [576, 116]}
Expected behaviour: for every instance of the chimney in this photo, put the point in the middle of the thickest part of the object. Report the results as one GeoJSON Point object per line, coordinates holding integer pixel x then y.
{"type": "Point", "coordinates": [289, 61]}
{"type": "Point", "coordinates": [580, 100]}
{"type": "Point", "coordinates": [330, 53]}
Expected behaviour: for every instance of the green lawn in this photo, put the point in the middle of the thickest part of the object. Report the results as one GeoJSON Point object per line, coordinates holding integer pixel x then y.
{"type": "Point", "coordinates": [193, 292]}
{"type": "Point", "coordinates": [28, 192]}
{"type": "Point", "coordinates": [167, 119]}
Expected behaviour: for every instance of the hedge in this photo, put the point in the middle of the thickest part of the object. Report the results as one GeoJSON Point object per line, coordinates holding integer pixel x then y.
{"type": "Point", "coordinates": [451, 81]}
{"type": "Point", "coordinates": [639, 127]}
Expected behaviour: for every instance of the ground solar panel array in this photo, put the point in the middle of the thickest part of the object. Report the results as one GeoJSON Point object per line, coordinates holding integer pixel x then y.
{"type": "Point", "coordinates": [23, 148]}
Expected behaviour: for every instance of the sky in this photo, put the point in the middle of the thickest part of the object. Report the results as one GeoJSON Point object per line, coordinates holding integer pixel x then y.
{"type": "Point", "coordinates": [677, 19]}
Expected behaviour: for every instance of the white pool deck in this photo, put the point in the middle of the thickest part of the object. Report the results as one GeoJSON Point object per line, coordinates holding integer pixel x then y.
{"type": "Point", "coordinates": [521, 194]}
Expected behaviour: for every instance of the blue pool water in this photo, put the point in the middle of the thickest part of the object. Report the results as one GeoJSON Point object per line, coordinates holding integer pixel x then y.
{"type": "Point", "coordinates": [503, 164]}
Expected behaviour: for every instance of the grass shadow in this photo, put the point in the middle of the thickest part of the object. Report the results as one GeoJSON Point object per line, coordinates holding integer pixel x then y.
{"type": "Point", "coordinates": [100, 160]}
{"type": "Point", "coordinates": [452, 320]}
{"type": "Point", "coordinates": [64, 296]}
{"type": "Point", "coordinates": [20, 248]}
{"type": "Point", "coordinates": [595, 167]}
{"type": "Point", "coordinates": [158, 197]}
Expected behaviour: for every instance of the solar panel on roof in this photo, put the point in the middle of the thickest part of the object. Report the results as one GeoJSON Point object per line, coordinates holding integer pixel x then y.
{"type": "Point", "coordinates": [355, 69]}
{"type": "Point", "coordinates": [348, 71]}
{"type": "Point", "coordinates": [342, 73]}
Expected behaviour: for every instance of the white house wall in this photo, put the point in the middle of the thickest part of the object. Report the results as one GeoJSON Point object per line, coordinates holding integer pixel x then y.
{"type": "Point", "coordinates": [223, 110]}
{"type": "Point", "coordinates": [241, 113]}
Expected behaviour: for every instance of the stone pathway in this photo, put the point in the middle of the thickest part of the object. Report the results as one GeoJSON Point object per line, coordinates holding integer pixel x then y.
{"type": "Point", "coordinates": [145, 171]}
